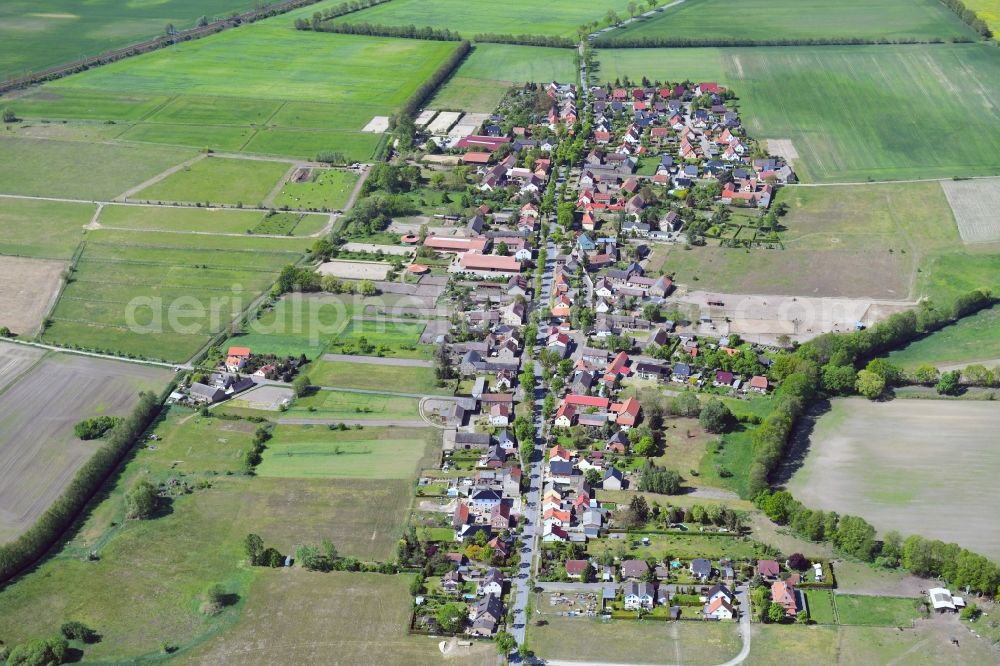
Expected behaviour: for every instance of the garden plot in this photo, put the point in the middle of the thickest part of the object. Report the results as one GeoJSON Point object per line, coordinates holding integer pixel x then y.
{"type": "Point", "coordinates": [976, 205]}
{"type": "Point", "coordinates": [30, 285]}
{"type": "Point", "coordinates": [917, 466]}
{"type": "Point", "coordinates": [41, 454]}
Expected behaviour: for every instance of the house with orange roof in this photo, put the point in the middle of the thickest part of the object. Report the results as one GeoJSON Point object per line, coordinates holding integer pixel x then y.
{"type": "Point", "coordinates": [557, 452]}
{"type": "Point", "coordinates": [627, 413]}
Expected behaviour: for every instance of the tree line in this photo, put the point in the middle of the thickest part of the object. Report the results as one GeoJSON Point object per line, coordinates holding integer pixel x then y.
{"type": "Point", "coordinates": [686, 42]}
{"type": "Point", "coordinates": [328, 13]}
{"type": "Point", "coordinates": [969, 17]}
{"type": "Point", "coordinates": [854, 536]}
{"type": "Point", "coordinates": [526, 40]}
{"type": "Point", "coordinates": [377, 30]}
{"type": "Point", "coordinates": [47, 530]}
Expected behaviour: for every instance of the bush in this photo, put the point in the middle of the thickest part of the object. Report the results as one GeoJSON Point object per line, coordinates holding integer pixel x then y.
{"type": "Point", "coordinates": [96, 427]}
{"type": "Point", "coordinates": [715, 417]}
{"type": "Point", "coordinates": [141, 501]}
{"type": "Point", "coordinates": [78, 631]}
{"type": "Point", "coordinates": [39, 652]}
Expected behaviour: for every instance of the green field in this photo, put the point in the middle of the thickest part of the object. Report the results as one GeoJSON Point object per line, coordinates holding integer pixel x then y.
{"type": "Point", "coordinates": [311, 452]}
{"type": "Point", "coordinates": [354, 406]}
{"type": "Point", "coordinates": [43, 229]}
{"type": "Point", "coordinates": [377, 333]}
{"type": "Point", "coordinates": [85, 170]}
{"type": "Point", "coordinates": [844, 241]}
{"type": "Point", "coordinates": [262, 88]}
{"type": "Point", "coordinates": [852, 113]}
{"type": "Point", "coordinates": [203, 220]}
{"type": "Point", "coordinates": [550, 17]}
{"type": "Point", "coordinates": [299, 324]}
{"type": "Point", "coordinates": [218, 180]}
{"type": "Point", "coordinates": [972, 339]}
{"type": "Point", "coordinates": [34, 37]}
{"type": "Point", "coordinates": [800, 19]}
{"type": "Point", "coordinates": [371, 377]}
{"type": "Point", "coordinates": [951, 274]}
{"type": "Point", "coordinates": [196, 542]}
{"type": "Point", "coordinates": [877, 611]}
{"type": "Point", "coordinates": [490, 69]}
{"type": "Point", "coordinates": [377, 636]}
{"type": "Point", "coordinates": [988, 10]}
{"type": "Point", "coordinates": [820, 604]}
{"type": "Point", "coordinates": [625, 641]}
{"type": "Point", "coordinates": [327, 189]}
{"type": "Point", "coordinates": [162, 295]}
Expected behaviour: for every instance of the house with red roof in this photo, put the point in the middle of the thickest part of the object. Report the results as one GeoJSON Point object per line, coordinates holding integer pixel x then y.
{"type": "Point", "coordinates": [627, 413]}
{"type": "Point", "coordinates": [575, 568]}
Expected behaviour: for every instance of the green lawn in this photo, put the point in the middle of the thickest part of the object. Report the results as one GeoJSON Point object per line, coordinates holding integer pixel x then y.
{"type": "Point", "coordinates": [326, 189]}
{"type": "Point", "coordinates": [218, 180]}
{"type": "Point", "coordinates": [310, 452]}
{"type": "Point", "coordinates": [733, 455]}
{"type": "Point", "coordinates": [389, 333]}
{"type": "Point", "coordinates": [821, 606]}
{"type": "Point", "coordinates": [34, 37]}
{"type": "Point", "coordinates": [354, 406]}
{"type": "Point", "coordinates": [85, 170]}
{"type": "Point", "coordinates": [877, 611]}
{"type": "Point", "coordinates": [369, 376]}
{"type": "Point", "coordinates": [800, 19]}
{"type": "Point", "coordinates": [44, 229]}
{"type": "Point", "coordinates": [550, 17]}
{"type": "Point", "coordinates": [975, 338]}
{"type": "Point", "coordinates": [853, 113]}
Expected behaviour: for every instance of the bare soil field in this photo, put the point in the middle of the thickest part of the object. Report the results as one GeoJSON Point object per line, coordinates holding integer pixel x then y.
{"type": "Point", "coordinates": [761, 318]}
{"type": "Point", "coordinates": [29, 287]}
{"type": "Point", "coordinates": [917, 466]}
{"type": "Point", "coordinates": [16, 359]}
{"type": "Point", "coordinates": [355, 270]}
{"type": "Point", "coordinates": [38, 451]}
{"type": "Point", "coordinates": [976, 205]}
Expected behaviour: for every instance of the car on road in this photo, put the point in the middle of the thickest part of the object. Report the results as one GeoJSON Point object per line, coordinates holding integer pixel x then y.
{"type": "Point", "coordinates": [525, 564]}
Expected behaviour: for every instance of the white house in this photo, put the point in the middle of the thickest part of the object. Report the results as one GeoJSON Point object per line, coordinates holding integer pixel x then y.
{"type": "Point", "coordinates": [638, 595]}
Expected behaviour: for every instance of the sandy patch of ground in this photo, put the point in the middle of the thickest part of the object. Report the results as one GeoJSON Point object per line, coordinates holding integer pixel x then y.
{"type": "Point", "coordinates": [923, 467]}
{"type": "Point", "coordinates": [29, 287]}
{"type": "Point", "coordinates": [377, 125]}
{"type": "Point", "coordinates": [355, 270]}
{"type": "Point", "coordinates": [762, 318]}
{"type": "Point", "coordinates": [448, 160]}
{"type": "Point", "coordinates": [976, 205]}
{"type": "Point", "coordinates": [267, 397]}
{"type": "Point", "coordinates": [425, 117]}
{"type": "Point", "coordinates": [398, 250]}
{"type": "Point", "coordinates": [783, 148]}
{"type": "Point", "coordinates": [443, 122]}
{"type": "Point", "coordinates": [40, 454]}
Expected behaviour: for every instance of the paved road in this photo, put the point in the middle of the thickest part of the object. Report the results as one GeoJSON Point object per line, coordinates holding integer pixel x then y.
{"type": "Point", "coordinates": [380, 360]}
